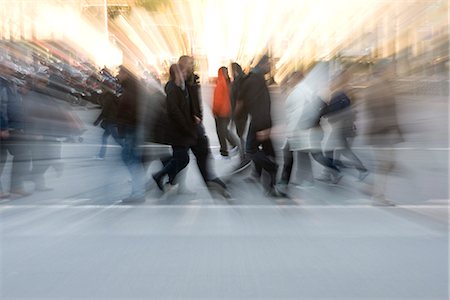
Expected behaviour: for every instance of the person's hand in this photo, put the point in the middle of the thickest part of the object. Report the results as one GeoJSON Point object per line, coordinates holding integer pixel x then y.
{"type": "Point", "coordinates": [197, 120]}
{"type": "Point", "coordinates": [263, 135]}
{"type": "Point", "coordinates": [4, 134]}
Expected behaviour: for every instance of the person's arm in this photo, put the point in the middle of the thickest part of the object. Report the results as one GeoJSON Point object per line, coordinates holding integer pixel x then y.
{"type": "Point", "coordinates": [99, 118]}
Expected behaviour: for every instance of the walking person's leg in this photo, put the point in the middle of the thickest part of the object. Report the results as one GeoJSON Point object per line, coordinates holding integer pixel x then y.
{"type": "Point", "coordinates": [131, 156]}
{"type": "Point", "coordinates": [105, 135]}
{"type": "Point", "coordinates": [20, 167]}
{"type": "Point", "coordinates": [288, 162]}
{"type": "Point", "coordinates": [331, 169]}
{"type": "Point", "coordinates": [230, 135]}
{"type": "Point", "coordinates": [221, 128]}
{"type": "Point", "coordinates": [241, 126]}
{"type": "Point", "coordinates": [3, 159]}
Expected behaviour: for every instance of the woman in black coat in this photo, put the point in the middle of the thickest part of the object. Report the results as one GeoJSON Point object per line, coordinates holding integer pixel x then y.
{"type": "Point", "coordinates": [181, 132]}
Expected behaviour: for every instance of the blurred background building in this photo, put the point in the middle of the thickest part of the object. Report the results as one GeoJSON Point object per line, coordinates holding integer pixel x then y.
{"type": "Point", "coordinates": [150, 34]}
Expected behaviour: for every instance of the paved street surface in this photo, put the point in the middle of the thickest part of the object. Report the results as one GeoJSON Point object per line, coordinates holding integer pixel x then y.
{"type": "Point", "coordinates": [79, 241]}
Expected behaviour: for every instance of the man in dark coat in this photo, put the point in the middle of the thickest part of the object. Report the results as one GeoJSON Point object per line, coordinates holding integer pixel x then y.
{"type": "Point", "coordinates": [107, 119]}
{"type": "Point", "coordinates": [201, 148]}
{"type": "Point", "coordinates": [255, 98]}
{"type": "Point", "coordinates": [181, 131]}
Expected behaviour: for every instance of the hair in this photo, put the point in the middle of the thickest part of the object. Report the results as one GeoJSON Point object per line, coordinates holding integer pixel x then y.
{"type": "Point", "coordinates": [184, 59]}
{"type": "Point", "coordinates": [236, 69]}
{"type": "Point", "coordinates": [173, 71]}
{"type": "Point", "coordinates": [223, 70]}
{"type": "Point", "coordinates": [127, 71]}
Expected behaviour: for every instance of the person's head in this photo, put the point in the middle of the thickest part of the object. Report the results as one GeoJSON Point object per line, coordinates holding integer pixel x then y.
{"type": "Point", "coordinates": [223, 71]}
{"type": "Point", "coordinates": [264, 64]}
{"type": "Point", "coordinates": [186, 64]}
{"type": "Point", "coordinates": [236, 70]}
{"type": "Point", "coordinates": [176, 74]}
{"type": "Point", "coordinates": [124, 74]}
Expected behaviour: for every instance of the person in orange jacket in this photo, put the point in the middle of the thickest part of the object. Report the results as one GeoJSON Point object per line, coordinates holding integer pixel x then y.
{"type": "Point", "coordinates": [222, 113]}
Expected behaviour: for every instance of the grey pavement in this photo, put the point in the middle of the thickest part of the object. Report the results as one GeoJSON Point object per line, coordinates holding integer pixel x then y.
{"type": "Point", "coordinates": [328, 242]}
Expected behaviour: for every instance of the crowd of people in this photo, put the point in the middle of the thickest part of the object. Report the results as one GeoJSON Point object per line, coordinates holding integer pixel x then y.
{"type": "Point", "coordinates": [34, 119]}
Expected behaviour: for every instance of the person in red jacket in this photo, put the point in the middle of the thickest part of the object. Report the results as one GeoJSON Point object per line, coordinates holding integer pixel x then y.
{"type": "Point", "coordinates": [222, 112]}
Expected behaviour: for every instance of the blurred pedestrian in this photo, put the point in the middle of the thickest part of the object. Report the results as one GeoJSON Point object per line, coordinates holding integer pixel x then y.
{"type": "Point", "coordinates": [45, 125]}
{"type": "Point", "coordinates": [287, 86]}
{"type": "Point", "coordinates": [341, 117]}
{"type": "Point", "coordinates": [221, 109]}
{"type": "Point", "coordinates": [256, 101]}
{"type": "Point", "coordinates": [107, 120]}
{"type": "Point", "coordinates": [239, 120]}
{"type": "Point", "coordinates": [201, 149]}
{"type": "Point", "coordinates": [12, 132]}
{"type": "Point", "coordinates": [182, 133]}
{"type": "Point", "coordinates": [383, 130]}
{"type": "Point", "coordinates": [128, 129]}
{"type": "Point", "coordinates": [304, 109]}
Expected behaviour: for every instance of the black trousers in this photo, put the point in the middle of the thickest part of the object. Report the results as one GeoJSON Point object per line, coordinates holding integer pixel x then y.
{"type": "Point", "coordinates": [262, 154]}
{"type": "Point", "coordinates": [178, 161]}
{"type": "Point", "coordinates": [202, 154]}
{"type": "Point", "coordinates": [225, 135]}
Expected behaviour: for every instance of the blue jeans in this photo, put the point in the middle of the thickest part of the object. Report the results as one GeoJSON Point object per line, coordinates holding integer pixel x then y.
{"type": "Point", "coordinates": [110, 129]}
{"type": "Point", "coordinates": [132, 157]}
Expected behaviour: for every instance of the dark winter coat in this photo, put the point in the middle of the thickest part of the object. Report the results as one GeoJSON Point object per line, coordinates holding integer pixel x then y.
{"type": "Point", "coordinates": [256, 98]}
{"type": "Point", "coordinates": [180, 111]}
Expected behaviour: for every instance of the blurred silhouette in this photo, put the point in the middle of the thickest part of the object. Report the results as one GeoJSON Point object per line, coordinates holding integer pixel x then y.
{"type": "Point", "coordinates": [221, 109]}
{"type": "Point", "coordinates": [108, 120]}
{"type": "Point", "coordinates": [239, 120]}
{"type": "Point", "coordinates": [47, 120]}
{"type": "Point", "coordinates": [127, 121]}
{"type": "Point", "coordinates": [256, 101]}
{"type": "Point", "coordinates": [383, 131]}
{"type": "Point", "coordinates": [304, 109]}
{"type": "Point", "coordinates": [13, 135]}
{"type": "Point", "coordinates": [341, 118]}
{"type": "Point", "coordinates": [288, 155]}
{"type": "Point", "coordinates": [182, 132]}
{"type": "Point", "coordinates": [201, 149]}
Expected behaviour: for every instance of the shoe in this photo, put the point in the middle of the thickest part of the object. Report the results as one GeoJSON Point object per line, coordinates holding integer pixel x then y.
{"type": "Point", "coordinates": [234, 151]}
{"type": "Point", "coordinates": [20, 193]}
{"type": "Point", "coordinates": [218, 186]}
{"type": "Point", "coordinates": [244, 164]}
{"type": "Point", "coordinates": [275, 193]}
{"type": "Point", "coordinates": [283, 184]}
{"type": "Point", "coordinates": [4, 195]}
{"type": "Point", "coordinates": [170, 189]}
{"type": "Point", "coordinates": [336, 178]}
{"type": "Point", "coordinates": [362, 175]}
{"type": "Point", "coordinates": [134, 200]}
{"type": "Point", "coordinates": [98, 158]}
{"type": "Point", "coordinates": [325, 177]}
{"type": "Point", "coordinates": [159, 181]}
